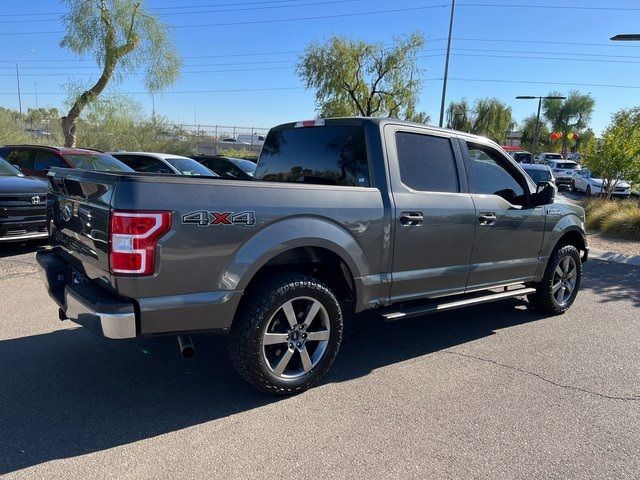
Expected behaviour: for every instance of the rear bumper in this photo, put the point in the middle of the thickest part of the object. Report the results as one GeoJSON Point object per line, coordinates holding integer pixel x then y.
{"type": "Point", "coordinates": [86, 303]}
{"type": "Point", "coordinates": [111, 316]}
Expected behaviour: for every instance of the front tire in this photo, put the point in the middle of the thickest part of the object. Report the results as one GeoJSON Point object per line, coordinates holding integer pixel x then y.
{"type": "Point", "coordinates": [561, 281]}
{"type": "Point", "coordinates": [286, 334]}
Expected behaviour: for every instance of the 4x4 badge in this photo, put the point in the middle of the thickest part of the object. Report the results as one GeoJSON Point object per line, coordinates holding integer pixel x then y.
{"type": "Point", "coordinates": [203, 218]}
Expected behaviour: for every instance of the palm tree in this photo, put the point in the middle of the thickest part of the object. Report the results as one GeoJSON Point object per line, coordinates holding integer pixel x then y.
{"type": "Point", "coordinates": [569, 115]}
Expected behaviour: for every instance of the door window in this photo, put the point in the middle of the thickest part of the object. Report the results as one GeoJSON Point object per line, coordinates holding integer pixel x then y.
{"type": "Point", "coordinates": [43, 160]}
{"type": "Point", "coordinates": [494, 175]}
{"type": "Point", "coordinates": [427, 162]}
{"type": "Point", "coordinates": [21, 158]}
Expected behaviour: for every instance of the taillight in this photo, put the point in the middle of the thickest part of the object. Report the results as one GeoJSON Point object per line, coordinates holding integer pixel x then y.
{"type": "Point", "coordinates": [132, 240]}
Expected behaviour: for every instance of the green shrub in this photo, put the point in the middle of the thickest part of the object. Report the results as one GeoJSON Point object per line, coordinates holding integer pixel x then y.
{"type": "Point", "coordinates": [624, 223]}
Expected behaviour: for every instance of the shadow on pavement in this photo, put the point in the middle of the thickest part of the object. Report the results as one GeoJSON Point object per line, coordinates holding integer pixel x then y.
{"type": "Point", "coordinates": [68, 393]}
{"type": "Point", "coordinates": [612, 282]}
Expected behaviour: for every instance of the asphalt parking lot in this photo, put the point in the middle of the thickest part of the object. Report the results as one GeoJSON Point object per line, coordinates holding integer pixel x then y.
{"type": "Point", "coordinates": [494, 391]}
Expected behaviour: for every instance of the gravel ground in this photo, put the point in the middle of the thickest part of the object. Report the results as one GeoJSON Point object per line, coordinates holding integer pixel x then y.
{"type": "Point", "coordinates": [616, 245]}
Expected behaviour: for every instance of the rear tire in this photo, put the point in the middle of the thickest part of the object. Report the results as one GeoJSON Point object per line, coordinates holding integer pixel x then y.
{"type": "Point", "coordinates": [286, 334]}
{"type": "Point", "coordinates": [560, 284]}
{"type": "Point", "coordinates": [588, 191]}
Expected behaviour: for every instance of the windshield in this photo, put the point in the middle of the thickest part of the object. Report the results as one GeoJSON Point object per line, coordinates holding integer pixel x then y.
{"type": "Point", "coordinates": [247, 166]}
{"type": "Point", "coordinates": [96, 161]}
{"type": "Point", "coordinates": [539, 175]}
{"type": "Point", "coordinates": [188, 166]}
{"type": "Point", "coordinates": [6, 169]}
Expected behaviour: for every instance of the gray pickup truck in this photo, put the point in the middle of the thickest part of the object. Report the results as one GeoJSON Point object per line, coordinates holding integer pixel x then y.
{"type": "Point", "coordinates": [344, 215]}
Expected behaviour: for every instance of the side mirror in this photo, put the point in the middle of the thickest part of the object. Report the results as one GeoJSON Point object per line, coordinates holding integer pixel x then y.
{"type": "Point", "coordinates": [545, 194]}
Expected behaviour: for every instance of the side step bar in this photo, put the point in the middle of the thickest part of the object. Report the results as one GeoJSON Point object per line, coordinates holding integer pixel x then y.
{"type": "Point", "coordinates": [441, 307]}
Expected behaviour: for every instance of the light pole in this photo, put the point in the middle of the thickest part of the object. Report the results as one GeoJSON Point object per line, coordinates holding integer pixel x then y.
{"type": "Point", "coordinates": [446, 64]}
{"type": "Point", "coordinates": [540, 98]}
{"type": "Point", "coordinates": [626, 37]}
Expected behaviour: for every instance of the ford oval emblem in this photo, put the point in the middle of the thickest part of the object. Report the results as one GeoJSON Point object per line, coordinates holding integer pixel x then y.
{"type": "Point", "coordinates": [66, 213]}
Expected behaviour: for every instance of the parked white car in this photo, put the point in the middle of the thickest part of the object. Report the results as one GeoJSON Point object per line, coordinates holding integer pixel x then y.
{"type": "Point", "coordinates": [151, 162]}
{"type": "Point", "coordinates": [584, 181]}
{"type": "Point", "coordinates": [563, 171]}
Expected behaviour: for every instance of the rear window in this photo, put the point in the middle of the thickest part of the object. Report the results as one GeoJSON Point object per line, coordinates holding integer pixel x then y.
{"type": "Point", "coordinates": [188, 166]}
{"type": "Point", "coordinates": [96, 161]}
{"type": "Point", "coordinates": [324, 155]}
{"type": "Point", "coordinates": [538, 175]}
{"type": "Point", "coordinates": [566, 165]}
{"type": "Point", "coordinates": [553, 156]}
{"type": "Point", "coordinates": [522, 157]}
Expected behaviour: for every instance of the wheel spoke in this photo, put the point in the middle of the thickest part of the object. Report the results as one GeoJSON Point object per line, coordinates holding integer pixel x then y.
{"type": "Point", "coordinates": [560, 295]}
{"type": "Point", "coordinates": [573, 272]}
{"type": "Point", "coordinates": [284, 361]}
{"type": "Point", "coordinates": [305, 359]}
{"type": "Point", "coordinates": [313, 311]}
{"type": "Point", "coordinates": [320, 336]}
{"type": "Point", "coordinates": [565, 264]}
{"type": "Point", "coordinates": [559, 271]}
{"type": "Point", "coordinates": [555, 288]}
{"type": "Point", "coordinates": [570, 286]}
{"type": "Point", "coordinates": [287, 308]}
{"type": "Point", "coordinates": [274, 338]}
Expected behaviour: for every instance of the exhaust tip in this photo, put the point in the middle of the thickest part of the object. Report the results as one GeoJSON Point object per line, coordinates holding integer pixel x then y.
{"type": "Point", "coordinates": [187, 349]}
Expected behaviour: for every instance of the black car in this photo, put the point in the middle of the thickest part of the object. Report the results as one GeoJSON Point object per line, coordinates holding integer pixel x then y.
{"type": "Point", "coordinates": [23, 203]}
{"type": "Point", "coordinates": [228, 167]}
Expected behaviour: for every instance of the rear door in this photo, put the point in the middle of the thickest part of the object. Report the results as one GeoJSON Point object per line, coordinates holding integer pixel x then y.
{"type": "Point", "coordinates": [434, 214]}
{"type": "Point", "coordinates": [508, 233]}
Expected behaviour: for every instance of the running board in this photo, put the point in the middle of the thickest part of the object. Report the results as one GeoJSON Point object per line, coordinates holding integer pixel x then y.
{"type": "Point", "coordinates": [442, 307]}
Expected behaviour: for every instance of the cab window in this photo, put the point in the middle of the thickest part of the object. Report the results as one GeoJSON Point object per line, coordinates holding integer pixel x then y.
{"type": "Point", "coordinates": [494, 175]}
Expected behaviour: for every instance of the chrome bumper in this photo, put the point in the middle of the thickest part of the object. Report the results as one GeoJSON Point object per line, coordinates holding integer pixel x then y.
{"type": "Point", "coordinates": [86, 303]}
{"type": "Point", "coordinates": [105, 324]}
{"type": "Point", "coordinates": [28, 236]}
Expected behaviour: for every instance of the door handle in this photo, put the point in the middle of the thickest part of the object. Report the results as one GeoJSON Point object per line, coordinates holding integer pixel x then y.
{"type": "Point", "coordinates": [411, 219]}
{"type": "Point", "coordinates": [488, 218]}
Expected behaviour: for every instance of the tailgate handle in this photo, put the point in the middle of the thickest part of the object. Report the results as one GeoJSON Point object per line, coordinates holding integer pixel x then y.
{"type": "Point", "coordinates": [411, 219]}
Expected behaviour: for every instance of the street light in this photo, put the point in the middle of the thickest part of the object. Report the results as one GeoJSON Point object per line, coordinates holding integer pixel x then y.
{"type": "Point", "coordinates": [540, 98]}
{"type": "Point", "coordinates": [626, 37]}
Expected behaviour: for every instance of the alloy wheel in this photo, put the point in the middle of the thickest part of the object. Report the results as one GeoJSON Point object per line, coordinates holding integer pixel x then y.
{"type": "Point", "coordinates": [564, 280]}
{"type": "Point", "coordinates": [296, 337]}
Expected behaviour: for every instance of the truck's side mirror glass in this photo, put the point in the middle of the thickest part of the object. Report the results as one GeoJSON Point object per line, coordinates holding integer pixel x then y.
{"type": "Point", "coordinates": [545, 194]}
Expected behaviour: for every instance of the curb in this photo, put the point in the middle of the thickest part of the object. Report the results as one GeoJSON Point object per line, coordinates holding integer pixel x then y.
{"type": "Point", "coordinates": [614, 257]}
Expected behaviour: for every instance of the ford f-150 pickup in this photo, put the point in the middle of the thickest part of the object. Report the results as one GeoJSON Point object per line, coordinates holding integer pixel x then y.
{"type": "Point", "coordinates": [344, 215]}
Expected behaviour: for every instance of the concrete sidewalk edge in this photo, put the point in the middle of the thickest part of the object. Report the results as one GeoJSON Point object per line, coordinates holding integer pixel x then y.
{"type": "Point", "coordinates": [614, 257]}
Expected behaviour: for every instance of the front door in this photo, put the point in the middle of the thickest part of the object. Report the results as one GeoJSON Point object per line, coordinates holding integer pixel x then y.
{"type": "Point", "coordinates": [508, 232]}
{"type": "Point", "coordinates": [434, 214]}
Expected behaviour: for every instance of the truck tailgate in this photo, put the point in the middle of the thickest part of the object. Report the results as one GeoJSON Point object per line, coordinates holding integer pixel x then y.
{"type": "Point", "coordinates": [78, 211]}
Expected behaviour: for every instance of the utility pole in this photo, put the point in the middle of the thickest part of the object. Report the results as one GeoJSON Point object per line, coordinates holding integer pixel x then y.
{"type": "Point", "coordinates": [19, 96]}
{"type": "Point", "coordinates": [537, 131]}
{"type": "Point", "coordinates": [446, 63]}
{"type": "Point", "coordinates": [35, 86]}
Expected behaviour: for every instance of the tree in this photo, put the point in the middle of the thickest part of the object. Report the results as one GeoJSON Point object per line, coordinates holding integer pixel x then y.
{"type": "Point", "coordinates": [528, 129]}
{"type": "Point", "coordinates": [356, 78]}
{"type": "Point", "coordinates": [122, 37]}
{"type": "Point", "coordinates": [617, 155]}
{"type": "Point", "coordinates": [489, 117]}
{"type": "Point", "coordinates": [569, 115]}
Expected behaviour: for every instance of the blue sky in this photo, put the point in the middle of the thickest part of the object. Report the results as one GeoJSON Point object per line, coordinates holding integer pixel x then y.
{"type": "Point", "coordinates": [496, 49]}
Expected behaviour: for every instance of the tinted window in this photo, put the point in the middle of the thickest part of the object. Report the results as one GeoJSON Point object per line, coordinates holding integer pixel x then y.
{"type": "Point", "coordinates": [426, 162]}
{"type": "Point", "coordinates": [522, 157]}
{"type": "Point", "coordinates": [566, 165]}
{"type": "Point", "coordinates": [538, 175]}
{"type": "Point", "coordinates": [321, 155]}
{"type": "Point", "coordinates": [493, 175]}
{"type": "Point", "coordinates": [143, 163]}
{"type": "Point", "coordinates": [20, 157]}
{"type": "Point", "coordinates": [552, 156]}
{"type": "Point", "coordinates": [43, 160]}
{"type": "Point", "coordinates": [188, 166]}
{"type": "Point", "coordinates": [96, 161]}
{"type": "Point", "coordinates": [224, 167]}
